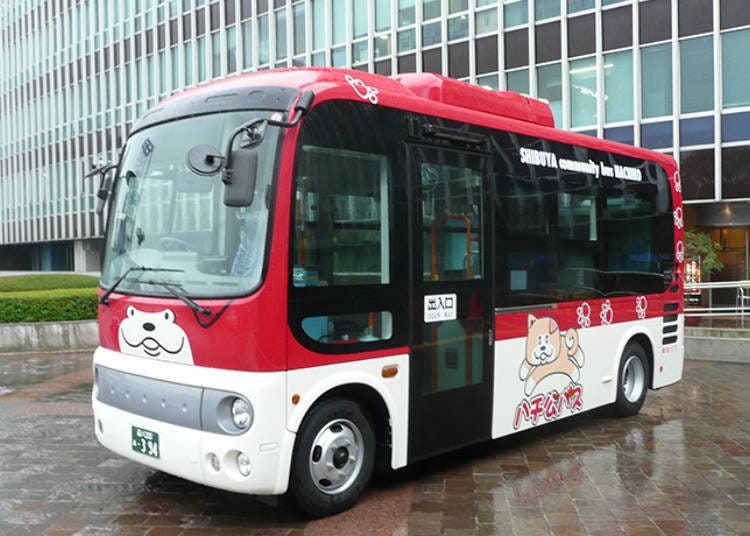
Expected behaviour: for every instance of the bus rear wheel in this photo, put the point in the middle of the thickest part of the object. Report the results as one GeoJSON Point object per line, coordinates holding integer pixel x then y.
{"type": "Point", "coordinates": [632, 380]}
{"type": "Point", "coordinates": [333, 458]}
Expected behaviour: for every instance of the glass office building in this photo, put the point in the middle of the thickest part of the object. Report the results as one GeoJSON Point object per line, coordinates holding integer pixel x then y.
{"type": "Point", "coordinates": [672, 75]}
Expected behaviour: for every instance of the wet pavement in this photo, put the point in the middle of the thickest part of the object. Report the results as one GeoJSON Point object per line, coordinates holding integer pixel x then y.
{"type": "Point", "coordinates": [680, 467]}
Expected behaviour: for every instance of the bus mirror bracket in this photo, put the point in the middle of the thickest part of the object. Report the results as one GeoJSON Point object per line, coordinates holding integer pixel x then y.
{"type": "Point", "coordinates": [240, 166]}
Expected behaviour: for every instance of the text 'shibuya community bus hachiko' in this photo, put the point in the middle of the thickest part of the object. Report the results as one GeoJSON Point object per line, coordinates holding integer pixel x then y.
{"type": "Point", "coordinates": [310, 272]}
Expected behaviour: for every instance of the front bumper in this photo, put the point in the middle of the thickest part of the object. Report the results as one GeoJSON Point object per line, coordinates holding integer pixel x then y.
{"type": "Point", "coordinates": [178, 402]}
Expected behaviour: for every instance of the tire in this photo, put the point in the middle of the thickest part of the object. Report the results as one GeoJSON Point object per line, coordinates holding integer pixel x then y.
{"type": "Point", "coordinates": [333, 457]}
{"type": "Point", "coordinates": [632, 381]}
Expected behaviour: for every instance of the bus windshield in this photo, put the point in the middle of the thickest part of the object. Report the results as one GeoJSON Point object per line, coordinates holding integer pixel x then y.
{"type": "Point", "coordinates": [174, 222]}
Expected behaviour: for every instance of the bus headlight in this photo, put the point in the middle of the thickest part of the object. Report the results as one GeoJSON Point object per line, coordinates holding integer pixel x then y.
{"type": "Point", "coordinates": [225, 412]}
{"type": "Point", "coordinates": [242, 413]}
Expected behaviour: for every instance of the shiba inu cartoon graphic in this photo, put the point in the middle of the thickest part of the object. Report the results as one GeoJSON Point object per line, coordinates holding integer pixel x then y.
{"type": "Point", "coordinates": [154, 335]}
{"type": "Point", "coordinates": [550, 353]}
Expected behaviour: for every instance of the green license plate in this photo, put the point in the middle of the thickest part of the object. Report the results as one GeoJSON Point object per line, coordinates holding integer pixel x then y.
{"type": "Point", "coordinates": [145, 442]}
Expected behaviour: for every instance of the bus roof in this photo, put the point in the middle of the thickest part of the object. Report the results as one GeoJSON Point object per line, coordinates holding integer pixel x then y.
{"type": "Point", "coordinates": [284, 85]}
{"type": "Point", "coordinates": [430, 86]}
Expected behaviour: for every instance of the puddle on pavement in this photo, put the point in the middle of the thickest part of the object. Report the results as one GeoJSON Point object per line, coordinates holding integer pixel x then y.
{"type": "Point", "coordinates": [22, 371]}
{"type": "Point", "coordinates": [81, 394]}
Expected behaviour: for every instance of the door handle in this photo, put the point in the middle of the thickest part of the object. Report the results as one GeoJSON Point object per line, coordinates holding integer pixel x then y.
{"type": "Point", "coordinates": [490, 337]}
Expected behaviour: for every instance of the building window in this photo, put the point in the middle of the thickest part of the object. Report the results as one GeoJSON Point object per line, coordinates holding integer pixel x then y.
{"type": "Point", "coordinates": [406, 12]}
{"type": "Point", "coordinates": [696, 17]}
{"type": "Point", "coordinates": [735, 127]}
{"type": "Point", "coordinates": [458, 27]}
{"type": "Point", "coordinates": [618, 85]}
{"type": "Point", "coordinates": [549, 88]}
{"type": "Point", "coordinates": [548, 42]}
{"type": "Point", "coordinates": [263, 40]}
{"type": "Point", "coordinates": [231, 49]}
{"type": "Point", "coordinates": [298, 11]}
{"type": "Point", "coordinates": [518, 81]}
{"type": "Point", "coordinates": [517, 48]}
{"type": "Point", "coordinates": [407, 40]}
{"type": "Point", "coordinates": [583, 92]}
{"type": "Point", "coordinates": [734, 172]}
{"type": "Point", "coordinates": [736, 72]}
{"type": "Point", "coordinates": [339, 21]}
{"type": "Point", "coordinates": [617, 28]}
{"type": "Point", "coordinates": [516, 13]}
{"type": "Point", "coordinates": [486, 21]}
{"type": "Point", "coordinates": [734, 13]}
{"type": "Point", "coordinates": [581, 35]}
{"type": "Point", "coordinates": [697, 131]}
{"type": "Point", "coordinates": [697, 74]}
{"type": "Point", "coordinates": [318, 24]}
{"type": "Point", "coordinates": [431, 9]}
{"type": "Point", "coordinates": [546, 9]}
{"type": "Point", "coordinates": [579, 5]}
{"type": "Point", "coordinates": [359, 19]}
{"type": "Point", "coordinates": [281, 34]}
{"type": "Point", "coordinates": [431, 33]}
{"type": "Point", "coordinates": [656, 20]}
{"type": "Point", "coordinates": [486, 54]}
{"type": "Point", "coordinates": [382, 15]}
{"type": "Point", "coordinates": [247, 45]}
{"type": "Point", "coordinates": [656, 135]}
{"type": "Point", "coordinates": [656, 80]}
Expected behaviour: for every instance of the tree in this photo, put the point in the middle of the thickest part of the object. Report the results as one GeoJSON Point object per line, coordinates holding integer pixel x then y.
{"type": "Point", "coordinates": [701, 245]}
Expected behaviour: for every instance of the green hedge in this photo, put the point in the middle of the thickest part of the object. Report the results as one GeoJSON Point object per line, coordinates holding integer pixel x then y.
{"type": "Point", "coordinates": [48, 305]}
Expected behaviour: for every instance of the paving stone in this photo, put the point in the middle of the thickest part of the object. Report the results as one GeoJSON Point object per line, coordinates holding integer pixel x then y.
{"type": "Point", "coordinates": [680, 467]}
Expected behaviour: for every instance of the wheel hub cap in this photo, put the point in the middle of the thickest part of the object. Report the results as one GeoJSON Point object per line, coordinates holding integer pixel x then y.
{"type": "Point", "coordinates": [335, 456]}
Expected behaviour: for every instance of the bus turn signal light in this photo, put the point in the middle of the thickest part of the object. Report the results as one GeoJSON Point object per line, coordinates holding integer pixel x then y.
{"type": "Point", "coordinates": [390, 371]}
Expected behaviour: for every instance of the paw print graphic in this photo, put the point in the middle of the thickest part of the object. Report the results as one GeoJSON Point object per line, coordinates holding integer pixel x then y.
{"type": "Point", "coordinates": [678, 220]}
{"type": "Point", "coordinates": [679, 251]}
{"type": "Point", "coordinates": [584, 315]}
{"type": "Point", "coordinates": [641, 306]}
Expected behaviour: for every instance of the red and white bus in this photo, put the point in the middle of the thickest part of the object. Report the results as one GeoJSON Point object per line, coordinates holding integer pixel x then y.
{"type": "Point", "coordinates": [312, 272]}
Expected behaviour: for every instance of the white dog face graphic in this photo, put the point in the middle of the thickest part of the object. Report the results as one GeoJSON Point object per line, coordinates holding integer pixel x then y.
{"type": "Point", "coordinates": [154, 335]}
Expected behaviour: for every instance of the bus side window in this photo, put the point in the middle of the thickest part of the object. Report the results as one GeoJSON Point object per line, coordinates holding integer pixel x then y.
{"type": "Point", "coordinates": [349, 328]}
{"type": "Point", "coordinates": [341, 224]}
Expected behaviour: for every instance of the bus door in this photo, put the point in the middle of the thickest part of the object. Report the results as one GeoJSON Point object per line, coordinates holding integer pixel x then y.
{"type": "Point", "coordinates": [451, 287]}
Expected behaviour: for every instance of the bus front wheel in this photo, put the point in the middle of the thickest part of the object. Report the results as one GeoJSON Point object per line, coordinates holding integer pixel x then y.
{"type": "Point", "coordinates": [333, 458]}
{"type": "Point", "coordinates": [632, 380]}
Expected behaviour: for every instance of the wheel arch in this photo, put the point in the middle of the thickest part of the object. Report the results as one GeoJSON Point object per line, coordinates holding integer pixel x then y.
{"type": "Point", "coordinates": [373, 403]}
{"type": "Point", "coordinates": [645, 342]}
{"type": "Point", "coordinates": [379, 405]}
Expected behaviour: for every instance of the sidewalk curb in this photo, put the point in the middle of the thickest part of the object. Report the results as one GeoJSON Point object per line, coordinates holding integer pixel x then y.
{"type": "Point", "coordinates": [39, 337]}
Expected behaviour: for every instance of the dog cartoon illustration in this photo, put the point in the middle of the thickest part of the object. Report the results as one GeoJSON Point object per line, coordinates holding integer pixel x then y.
{"type": "Point", "coordinates": [550, 352]}
{"type": "Point", "coordinates": [154, 335]}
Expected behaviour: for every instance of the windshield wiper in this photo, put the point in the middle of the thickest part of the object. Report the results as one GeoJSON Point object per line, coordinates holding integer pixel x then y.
{"type": "Point", "coordinates": [104, 299]}
{"type": "Point", "coordinates": [176, 290]}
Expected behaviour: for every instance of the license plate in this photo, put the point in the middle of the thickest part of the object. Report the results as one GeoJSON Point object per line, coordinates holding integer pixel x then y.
{"type": "Point", "coordinates": [145, 442]}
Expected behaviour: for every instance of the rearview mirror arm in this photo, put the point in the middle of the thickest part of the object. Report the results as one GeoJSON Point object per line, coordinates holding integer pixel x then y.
{"type": "Point", "coordinates": [105, 184]}
{"type": "Point", "coordinates": [301, 108]}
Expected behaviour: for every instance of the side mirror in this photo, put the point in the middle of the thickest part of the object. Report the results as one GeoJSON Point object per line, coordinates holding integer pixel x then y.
{"type": "Point", "coordinates": [204, 160]}
{"type": "Point", "coordinates": [239, 178]}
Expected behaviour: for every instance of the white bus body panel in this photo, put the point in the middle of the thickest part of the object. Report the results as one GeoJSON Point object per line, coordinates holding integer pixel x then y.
{"type": "Point", "coordinates": [312, 383]}
{"type": "Point", "coordinates": [518, 406]}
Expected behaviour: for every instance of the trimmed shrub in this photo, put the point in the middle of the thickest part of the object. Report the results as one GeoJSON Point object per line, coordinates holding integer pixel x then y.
{"type": "Point", "coordinates": [48, 305]}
